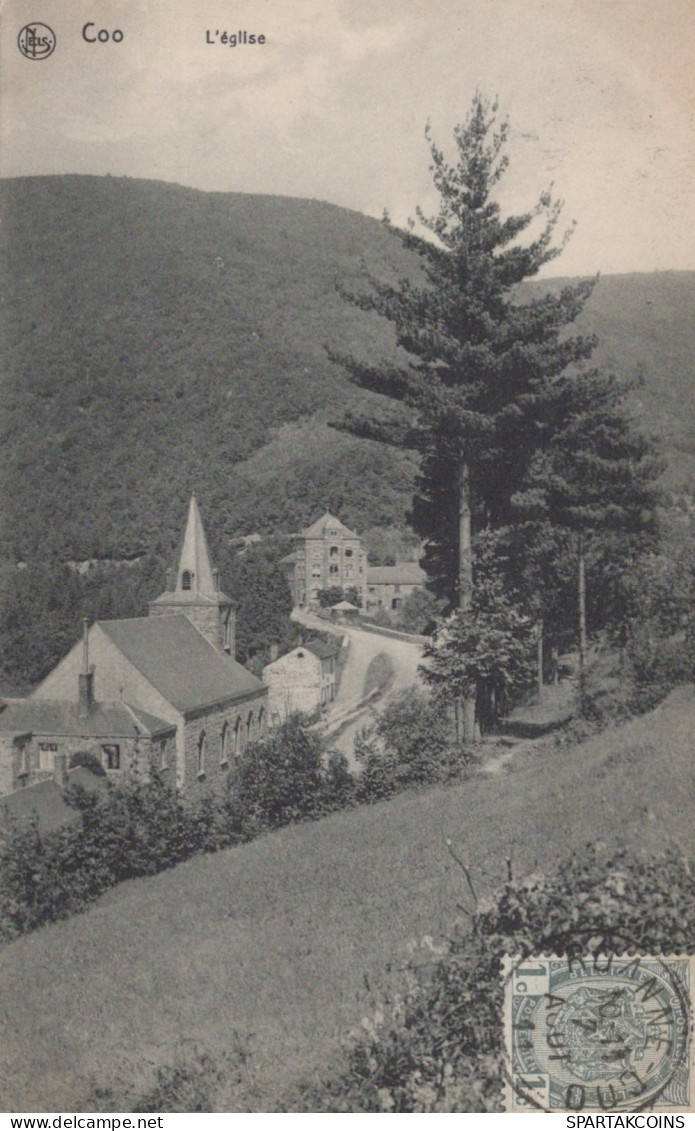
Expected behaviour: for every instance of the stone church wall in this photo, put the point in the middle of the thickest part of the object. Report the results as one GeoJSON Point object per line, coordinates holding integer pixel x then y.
{"type": "Point", "coordinates": [210, 724]}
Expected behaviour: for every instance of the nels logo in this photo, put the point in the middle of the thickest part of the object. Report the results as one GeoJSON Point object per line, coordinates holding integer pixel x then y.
{"type": "Point", "coordinates": [36, 41]}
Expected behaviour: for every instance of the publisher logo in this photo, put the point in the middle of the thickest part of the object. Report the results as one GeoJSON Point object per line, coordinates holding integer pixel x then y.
{"type": "Point", "coordinates": [36, 41]}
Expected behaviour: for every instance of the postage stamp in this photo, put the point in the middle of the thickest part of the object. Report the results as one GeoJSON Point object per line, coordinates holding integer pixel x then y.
{"type": "Point", "coordinates": [599, 1034]}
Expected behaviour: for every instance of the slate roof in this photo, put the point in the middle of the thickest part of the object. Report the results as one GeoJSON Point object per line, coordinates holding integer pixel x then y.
{"type": "Point", "coordinates": [61, 717]}
{"type": "Point", "coordinates": [177, 659]}
{"type": "Point", "coordinates": [318, 528]}
{"type": "Point", "coordinates": [44, 802]}
{"type": "Point", "coordinates": [323, 649]}
{"type": "Point", "coordinates": [403, 573]}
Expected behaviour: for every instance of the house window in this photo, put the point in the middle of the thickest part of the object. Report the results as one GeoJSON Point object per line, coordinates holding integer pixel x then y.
{"type": "Point", "coordinates": [224, 745]}
{"type": "Point", "coordinates": [396, 603]}
{"type": "Point", "coordinates": [333, 570]}
{"type": "Point", "coordinates": [202, 751]}
{"type": "Point", "coordinates": [348, 553]}
{"type": "Point", "coordinates": [334, 551]}
{"type": "Point", "coordinates": [23, 767]}
{"type": "Point", "coordinates": [111, 755]}
{"type": "Point", "coordinates": [47, 753]}
{"type": "Point", "coordinates": [187, 579]}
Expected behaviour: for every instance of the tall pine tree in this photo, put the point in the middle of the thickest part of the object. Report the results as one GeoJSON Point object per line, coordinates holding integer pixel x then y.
{"type": "Point", "coordinates": [480, 358]}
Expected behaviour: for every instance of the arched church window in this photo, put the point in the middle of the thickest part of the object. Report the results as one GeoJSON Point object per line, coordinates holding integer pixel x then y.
{"type": "Point", "coordinates": [202, 751]}
{"type": "Point", "coordinates": [261, 722]}
{"type": "Point", "coordinates": [187, 579]}
{"type": "Point", "coordinates": [238, 737]}
{"type": "Point", "coordinates": [224, 745]}
{"type": "Point", "coordinates": [249, 728]}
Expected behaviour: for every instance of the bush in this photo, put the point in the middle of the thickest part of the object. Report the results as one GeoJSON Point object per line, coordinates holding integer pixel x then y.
{"type": "Point", "coordinates": [435, 1044]}
{"type": "Point", "coordinates": [657, 668]}
{"type": "Point", "coordinates": [281, 778]}
{"type": "Point", "coordinates": [89, 760]}
{"type": "Point", "coordinates": [410, 744]}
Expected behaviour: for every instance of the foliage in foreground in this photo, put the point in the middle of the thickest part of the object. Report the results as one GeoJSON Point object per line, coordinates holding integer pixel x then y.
{"type": "Point", "coordinates": [434, 1042]}
{"type": "Point", "coordinates": [142, 828]}
{"type": "Point", "coordinates": [436, 1045]}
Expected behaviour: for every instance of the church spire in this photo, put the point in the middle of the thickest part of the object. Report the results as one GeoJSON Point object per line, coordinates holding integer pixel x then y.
{"type": "Point", "coordinates": [195, 574]}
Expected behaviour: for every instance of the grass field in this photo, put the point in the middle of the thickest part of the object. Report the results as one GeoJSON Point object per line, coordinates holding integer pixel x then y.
{"type": "Point", "coordinates": [274, 944]}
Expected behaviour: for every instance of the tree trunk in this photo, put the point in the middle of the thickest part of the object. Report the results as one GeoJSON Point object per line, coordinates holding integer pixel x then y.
{"type": "Point", "coordinates": [539, 657]}
{"type": "Point", "coordinates": [581, 581]}
{"type": "Point", "coordinates": [466, 585]}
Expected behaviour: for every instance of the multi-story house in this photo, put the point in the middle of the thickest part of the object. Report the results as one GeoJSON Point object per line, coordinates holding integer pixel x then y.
{"type": "Point", "coordinates": [327, 554]}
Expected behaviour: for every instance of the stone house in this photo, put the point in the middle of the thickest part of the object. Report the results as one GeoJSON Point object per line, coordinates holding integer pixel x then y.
{"type": "Point", "coordinates": [388, 586]}
{"type": "Point", "coordinates": [303, 680]}
{"type": "Point", "coordinates": [163, 687]}
{"type": "Point", "coordinates": [328, 553]}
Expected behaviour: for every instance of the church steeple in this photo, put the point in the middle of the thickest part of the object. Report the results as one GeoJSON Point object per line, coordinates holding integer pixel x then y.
{"type": "Point", "coordinates": [195, 574]}
{"type": "Point", "coordinates": [196, 593]}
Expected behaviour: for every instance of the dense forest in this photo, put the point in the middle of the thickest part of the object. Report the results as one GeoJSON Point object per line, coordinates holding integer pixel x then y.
{"type": "Point", "coordinates": [158, 339]}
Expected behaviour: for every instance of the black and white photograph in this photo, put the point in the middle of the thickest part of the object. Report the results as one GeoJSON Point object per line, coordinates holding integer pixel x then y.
{"type": "Point", "coordinates": [347, 567]}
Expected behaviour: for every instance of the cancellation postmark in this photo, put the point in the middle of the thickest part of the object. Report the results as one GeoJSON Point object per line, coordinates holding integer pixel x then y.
{"type": "Point", "coordinates": [598, 1034]}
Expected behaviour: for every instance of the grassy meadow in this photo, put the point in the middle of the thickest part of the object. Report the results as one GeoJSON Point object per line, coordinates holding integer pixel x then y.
{"type": "Point", "coordinates": [280, 946]}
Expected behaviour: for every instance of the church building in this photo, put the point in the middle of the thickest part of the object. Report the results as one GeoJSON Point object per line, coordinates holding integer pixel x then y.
{"type": "Point", "coordinates": [163, 689]}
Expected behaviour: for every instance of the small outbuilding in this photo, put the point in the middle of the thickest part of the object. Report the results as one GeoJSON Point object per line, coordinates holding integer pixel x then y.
{"type": "Point", "coordinates": [345, 613]}
{"type": "Point", "coordinates": [302, 681]}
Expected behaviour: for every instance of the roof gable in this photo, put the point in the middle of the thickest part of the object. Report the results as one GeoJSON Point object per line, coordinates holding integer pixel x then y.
{"type": "Point", "coordinates": [328, 521]}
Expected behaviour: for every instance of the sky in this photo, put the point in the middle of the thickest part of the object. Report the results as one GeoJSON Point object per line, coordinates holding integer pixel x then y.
{"type": "Point", "coordinates": [600, 96]}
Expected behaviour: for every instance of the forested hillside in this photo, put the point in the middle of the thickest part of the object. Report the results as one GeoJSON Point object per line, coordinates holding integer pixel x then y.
{"type": "Point", "coordinates": [159, 339]}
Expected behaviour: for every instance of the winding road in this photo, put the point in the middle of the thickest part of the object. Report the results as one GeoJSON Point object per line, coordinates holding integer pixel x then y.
{"type": "Point", "coordinates": [364, 646]}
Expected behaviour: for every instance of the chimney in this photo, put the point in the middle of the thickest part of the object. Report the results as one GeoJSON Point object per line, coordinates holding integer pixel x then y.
{"type": "Point", "coordinates": [86, 678]}
{"type": "Point", "coordinates": [60, 770]}
{"type": "Point", "coordinates": [216, 579]}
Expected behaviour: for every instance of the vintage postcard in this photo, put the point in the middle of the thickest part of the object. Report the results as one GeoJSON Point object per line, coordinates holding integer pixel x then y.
{"type": "Point", "coordinates": [347, 567]}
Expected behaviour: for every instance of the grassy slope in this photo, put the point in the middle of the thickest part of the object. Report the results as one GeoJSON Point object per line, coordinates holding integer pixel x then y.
{"type": "Point", "coordinates": [274, 938]}
{"type": "Point", "coordinates": [135, 369]}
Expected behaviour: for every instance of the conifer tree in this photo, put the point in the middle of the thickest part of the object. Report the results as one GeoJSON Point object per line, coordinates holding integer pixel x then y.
{"type": "Point", "coordinates": [597, 478]}
{"type": "Point", "coordinates": [480, 357]}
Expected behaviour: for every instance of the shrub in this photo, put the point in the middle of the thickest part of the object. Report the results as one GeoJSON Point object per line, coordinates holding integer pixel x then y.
{"type": "Point", "coordinates": [280, 779]}
{"type": "Point", "coordinates": [657, 668]}
{"type": "Point", "coordinates": [409, 744]}
{"type": "Point", "coordinates": [89, 760]}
